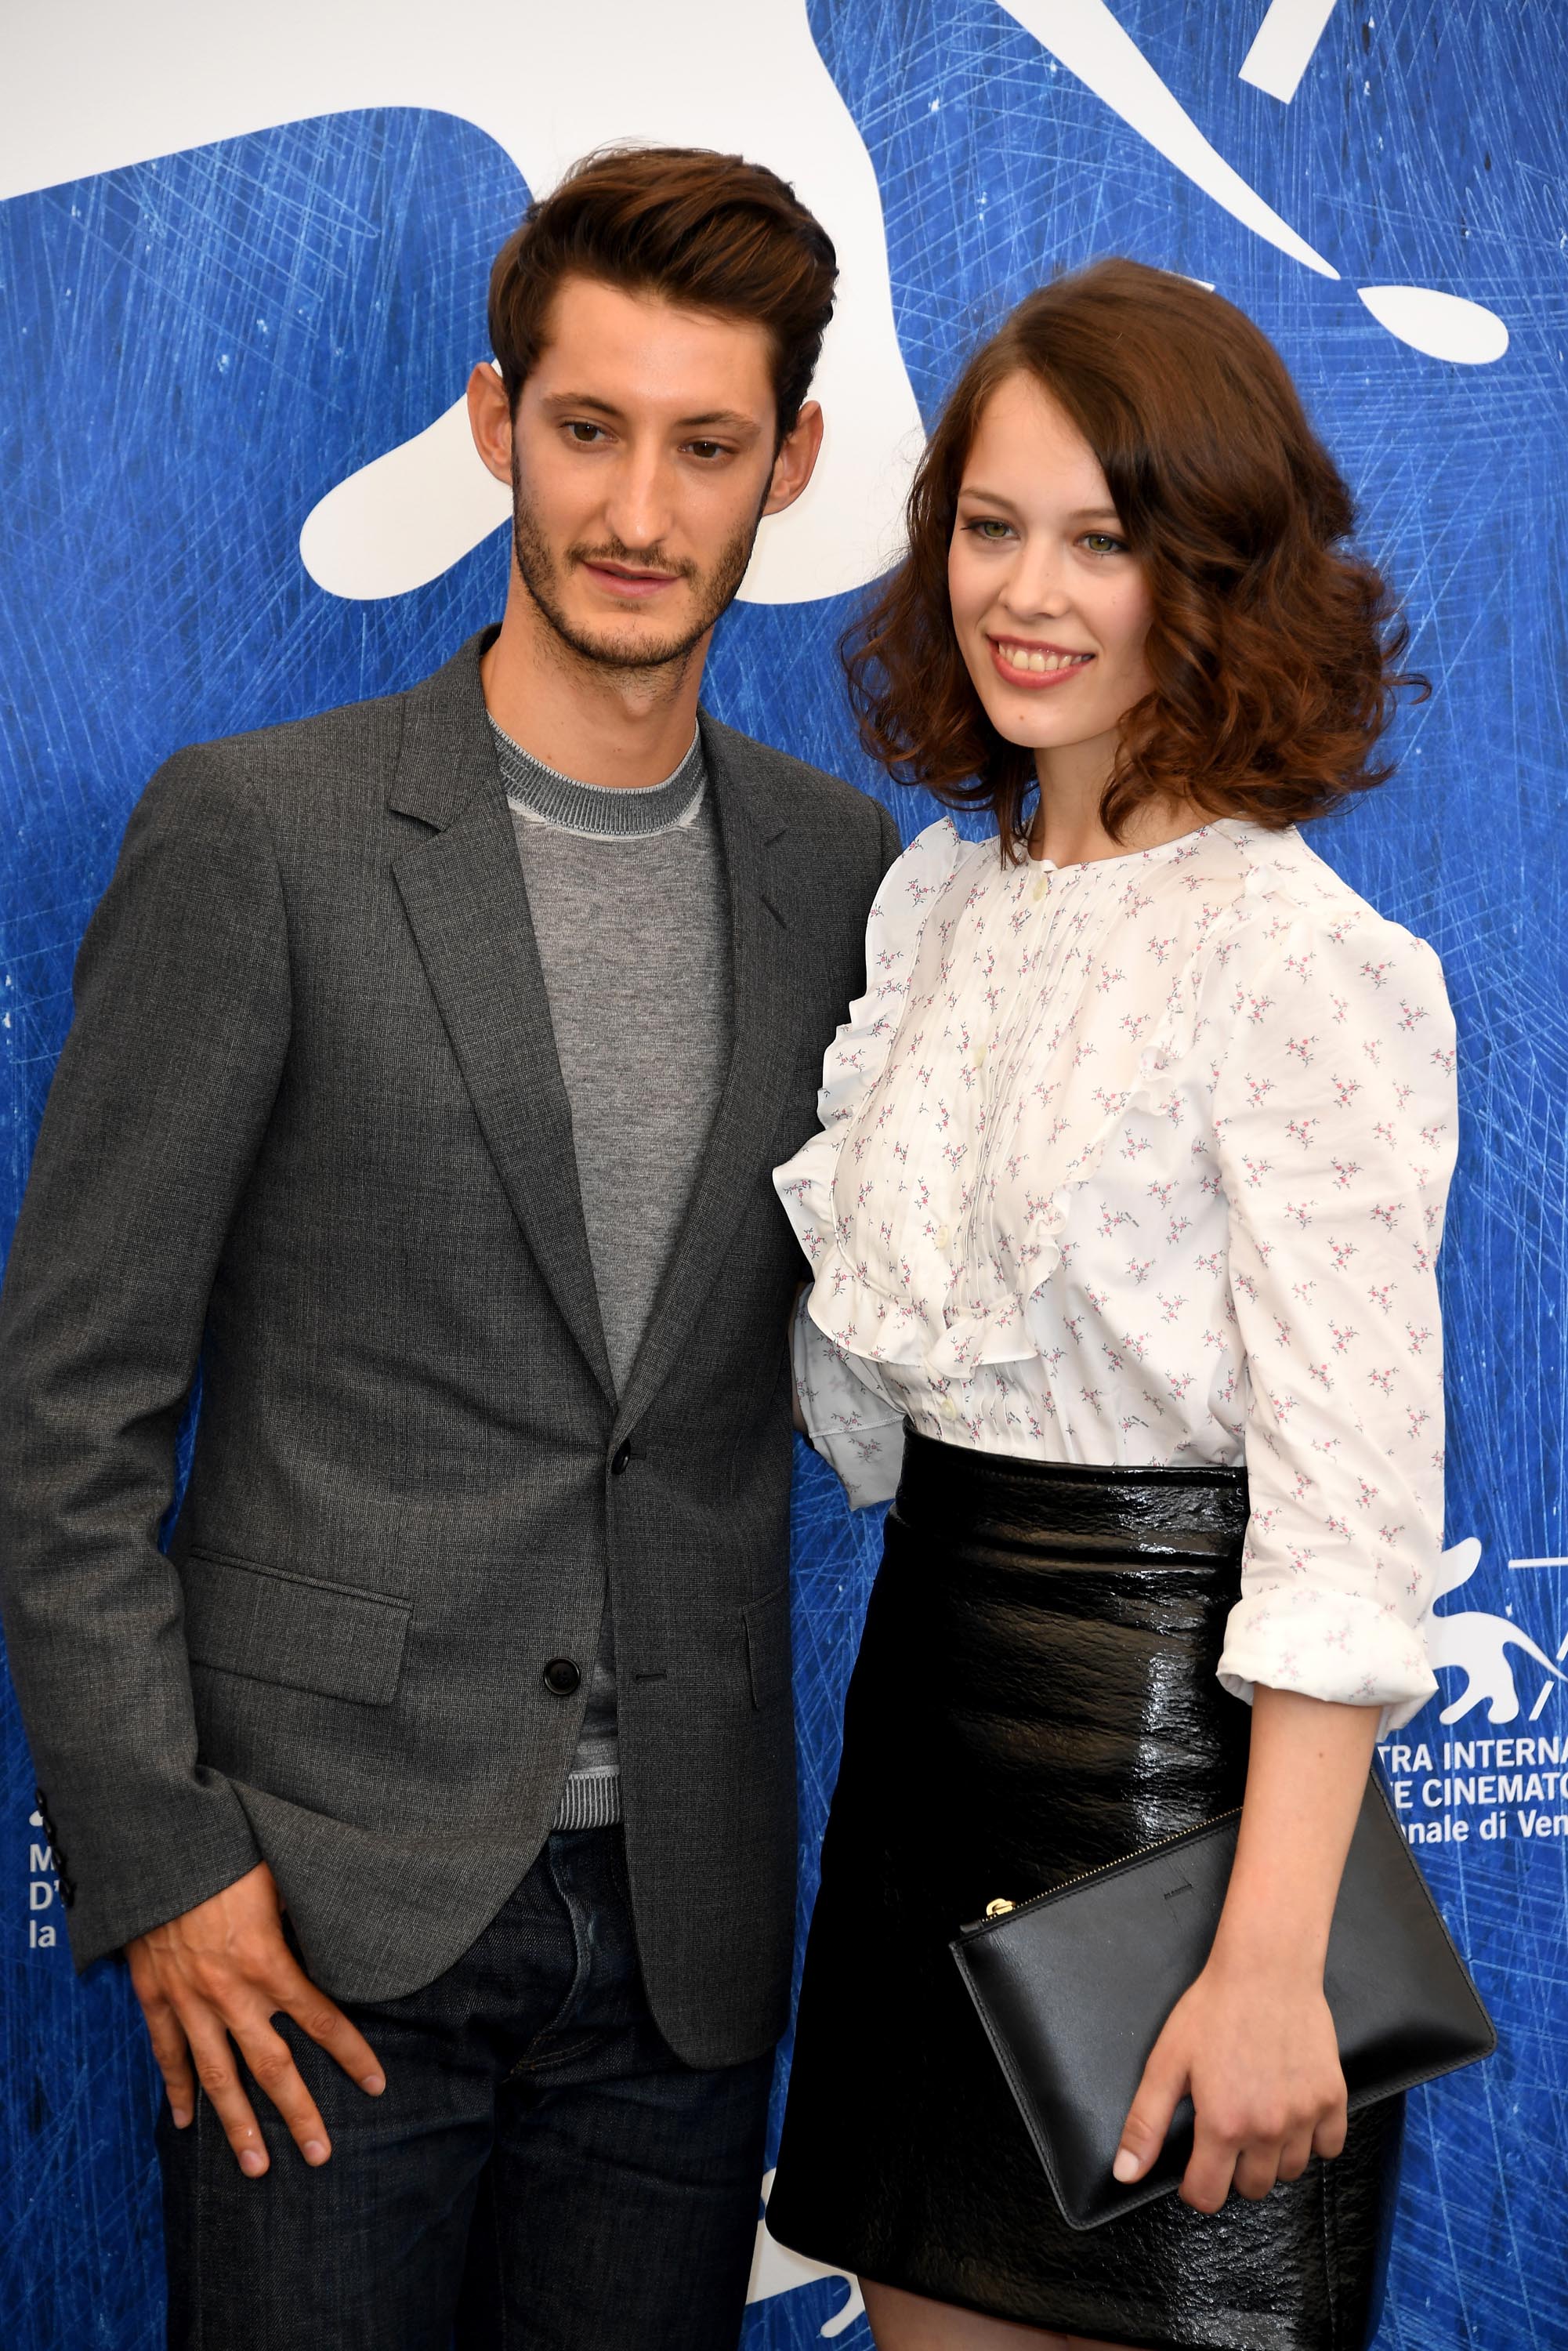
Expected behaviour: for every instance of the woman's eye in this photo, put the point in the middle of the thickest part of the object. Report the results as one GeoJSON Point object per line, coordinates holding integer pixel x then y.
{"type": "Point", "coordinates": [988, 529]}
{"type": "Point", "coordinates": [1104, 542]}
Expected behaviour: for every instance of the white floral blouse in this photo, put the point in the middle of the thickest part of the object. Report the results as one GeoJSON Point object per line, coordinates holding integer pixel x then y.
{"type": "Point", "coordinates": [1144, 1161]}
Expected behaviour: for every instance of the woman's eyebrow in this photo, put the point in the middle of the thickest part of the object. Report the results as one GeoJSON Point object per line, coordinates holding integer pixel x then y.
{"type": "Point", "coordinates": [1079, 514]}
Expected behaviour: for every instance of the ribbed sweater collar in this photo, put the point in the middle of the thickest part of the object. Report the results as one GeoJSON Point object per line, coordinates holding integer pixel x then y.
{"type": "Point", "coordinates": [600, 811]}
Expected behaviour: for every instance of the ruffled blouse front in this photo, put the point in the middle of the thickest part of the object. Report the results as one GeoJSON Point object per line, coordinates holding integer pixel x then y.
{"type": "Point", "coordinates": [1145, 1162]}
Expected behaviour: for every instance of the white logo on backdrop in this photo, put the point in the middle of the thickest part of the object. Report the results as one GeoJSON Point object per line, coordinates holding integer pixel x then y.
{"type": "Point", "coordinates": [776, 2270]}
{"type": "Point", "coordinates": [1478, 1644]}
{"type": "Point", "coordinates": [104, 86]}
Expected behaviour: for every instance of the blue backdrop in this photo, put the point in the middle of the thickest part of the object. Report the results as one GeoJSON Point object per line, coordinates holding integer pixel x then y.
{"type": "Point", "coordinates": [194, 350]}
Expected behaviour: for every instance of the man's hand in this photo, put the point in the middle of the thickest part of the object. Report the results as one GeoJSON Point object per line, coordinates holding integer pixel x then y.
{"type": "Point", "coordinates": [224, 1969]}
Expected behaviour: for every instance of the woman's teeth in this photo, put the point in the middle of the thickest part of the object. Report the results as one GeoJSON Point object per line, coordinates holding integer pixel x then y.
{"type": "Point", "coordinates": [1038, 663]}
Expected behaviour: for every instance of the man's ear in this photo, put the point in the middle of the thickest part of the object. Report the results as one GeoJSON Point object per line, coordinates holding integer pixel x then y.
{"type": "Point", "coordinates": [797, 454]}
{"type": "Point", "coordinates": [490, 420]}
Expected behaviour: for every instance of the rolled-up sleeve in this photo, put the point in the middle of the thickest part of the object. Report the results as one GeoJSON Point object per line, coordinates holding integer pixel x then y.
{"type": "Point", "coordinates": [1336, 1121]}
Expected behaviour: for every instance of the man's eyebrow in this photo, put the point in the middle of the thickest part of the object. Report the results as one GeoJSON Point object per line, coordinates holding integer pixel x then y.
{"type": "Point", "coordinates": [734, 420]}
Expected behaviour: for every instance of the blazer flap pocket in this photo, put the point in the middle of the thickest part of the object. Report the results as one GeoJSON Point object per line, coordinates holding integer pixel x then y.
{"type": "Point", "coordinates": [768, 1645]}
{"type": "Point", "coordinates": [331, 1638]}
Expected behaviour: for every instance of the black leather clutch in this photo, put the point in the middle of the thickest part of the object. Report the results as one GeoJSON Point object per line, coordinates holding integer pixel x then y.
{"type": "Point", "coordinates": [1074, 1987]}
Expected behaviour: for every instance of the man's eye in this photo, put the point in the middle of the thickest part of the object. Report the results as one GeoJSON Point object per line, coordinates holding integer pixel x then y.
{"type": "Point", "coordinates": [585, 434]}
{"type": "Point", "coordinates": [705, 448]}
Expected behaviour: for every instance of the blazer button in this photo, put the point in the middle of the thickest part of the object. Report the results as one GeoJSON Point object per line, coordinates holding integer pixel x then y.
{"type": "Point", "coordinates": [621, 1457]}
{"type": "Point", "coordinates": [561, 1677]}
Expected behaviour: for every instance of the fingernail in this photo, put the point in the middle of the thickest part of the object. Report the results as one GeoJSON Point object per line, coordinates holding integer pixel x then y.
{"type": "Point", "coordinates": [374, 2083]}
{"type": "Point", "coordinates": [1126, 2164]}
{"type": "Point", "coordinates": [314, 2150]}
{"type": "Point", "coordinates": [252, 2163]}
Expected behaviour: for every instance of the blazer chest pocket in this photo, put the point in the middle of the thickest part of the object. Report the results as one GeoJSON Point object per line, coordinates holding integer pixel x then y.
{"type": "Point", "coordinates": [332, 1639]}
{"type": "Point", "coordinates": [768, 1645]}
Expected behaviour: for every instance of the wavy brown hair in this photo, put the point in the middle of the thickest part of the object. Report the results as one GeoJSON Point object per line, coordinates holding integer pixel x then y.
{"type": "Point", "coordinates": [1275, 650]}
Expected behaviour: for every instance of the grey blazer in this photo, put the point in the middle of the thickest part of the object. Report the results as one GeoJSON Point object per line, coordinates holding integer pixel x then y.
{"type": "Point", "coordinates": [308, 1135]}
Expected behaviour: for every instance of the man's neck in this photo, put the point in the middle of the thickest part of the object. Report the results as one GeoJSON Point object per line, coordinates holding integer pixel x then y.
{"type": "Point", "coordinates": [586, 720]}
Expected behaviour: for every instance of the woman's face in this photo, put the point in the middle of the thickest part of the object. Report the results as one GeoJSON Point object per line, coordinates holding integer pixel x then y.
{"type": "Point", "coordinates": [1050, 608]}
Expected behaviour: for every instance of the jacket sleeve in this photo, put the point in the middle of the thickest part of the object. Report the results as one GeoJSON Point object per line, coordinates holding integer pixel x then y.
{"type": "Point", "coordinates": [155, 1115]}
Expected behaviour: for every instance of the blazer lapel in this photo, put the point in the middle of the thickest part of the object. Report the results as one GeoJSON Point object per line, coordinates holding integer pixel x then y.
{"type": "Point", "coordinates": [762, 1059]}
{"type": "Point", "coordinates": [463, 892]}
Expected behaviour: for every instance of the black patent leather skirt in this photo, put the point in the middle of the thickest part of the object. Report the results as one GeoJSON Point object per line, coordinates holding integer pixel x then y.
{"type": "Point", "coordinates": [1034, 1694]}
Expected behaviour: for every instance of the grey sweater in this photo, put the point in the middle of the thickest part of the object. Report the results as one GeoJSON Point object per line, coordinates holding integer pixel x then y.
{"type": "Point", "coordinates": [627, 895]}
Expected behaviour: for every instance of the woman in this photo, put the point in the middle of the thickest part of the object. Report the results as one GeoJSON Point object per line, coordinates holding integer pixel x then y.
{"type": "Point", "coordinates": [1133, 1172]}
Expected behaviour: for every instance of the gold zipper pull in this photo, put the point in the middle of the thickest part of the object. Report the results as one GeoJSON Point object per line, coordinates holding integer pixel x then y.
{"type": "Point", "coordinates": [999, 1907]}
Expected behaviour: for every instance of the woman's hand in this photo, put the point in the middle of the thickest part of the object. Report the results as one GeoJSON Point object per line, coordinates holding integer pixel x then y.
{"type": "Point", "coordinates": [1252, 2044]}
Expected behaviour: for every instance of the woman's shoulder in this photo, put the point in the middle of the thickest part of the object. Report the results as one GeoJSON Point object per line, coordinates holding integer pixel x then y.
{"type": "Point", "coordinates": [1292, 903]}
{"type": "Point", "coordinates": [917, 876]}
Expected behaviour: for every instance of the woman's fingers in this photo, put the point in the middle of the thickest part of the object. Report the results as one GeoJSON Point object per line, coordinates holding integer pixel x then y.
{"type": "Point", "coordinates": [1327, 2139]}
{"type": "Point", "coordinates": [1148, 2122]}
{"type": "Point", "coordinates": [1257, 2169]}
{"type": "Point", "coordinates": [1295, 2155]}
{"type": "Point", "coordinates": [1205, 2182]}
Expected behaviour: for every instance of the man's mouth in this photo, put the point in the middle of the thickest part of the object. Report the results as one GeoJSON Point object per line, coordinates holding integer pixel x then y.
{"type": "Point", "coordinates": [1027, 662]}
{"type": "Point", "coordinates": [627, 581]}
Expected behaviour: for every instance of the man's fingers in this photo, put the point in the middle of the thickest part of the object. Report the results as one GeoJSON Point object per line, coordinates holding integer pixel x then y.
{"type": "Point", "coordinates": [1149, 2116]}
{"type": "Point", "coordinates": [331, 2030]}
{"type": "Point", "coordinates": [218, 2074]}
{"type": "Point", "coordinates": [172, 2054]}
{"type": "Point", "coordinates": [275, 2074]}
{"type": "Point", "coordinates": [1295, 2155]}
{"type": "Point", "coordinates": [1327, 2139]}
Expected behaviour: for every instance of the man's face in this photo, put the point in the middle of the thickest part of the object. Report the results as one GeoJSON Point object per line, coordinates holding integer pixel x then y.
{"type": "Point", "coordinates": [642, 458]}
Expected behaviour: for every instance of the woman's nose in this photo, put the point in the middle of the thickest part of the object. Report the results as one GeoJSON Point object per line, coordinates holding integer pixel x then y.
{"type": "Point", "coordinates": [1035, 590]}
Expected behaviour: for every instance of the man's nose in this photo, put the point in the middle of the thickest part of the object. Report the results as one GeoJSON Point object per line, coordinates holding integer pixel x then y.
{"type": "Point", "coordinates": [639, 510]}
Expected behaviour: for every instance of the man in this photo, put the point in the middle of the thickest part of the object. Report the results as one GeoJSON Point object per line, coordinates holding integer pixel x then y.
{"type": "Point", "coordinates": [430, 1061]}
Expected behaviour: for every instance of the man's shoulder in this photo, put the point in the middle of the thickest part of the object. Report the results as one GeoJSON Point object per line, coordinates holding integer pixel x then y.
{"type": "Point", "coordinates": [345, 745]}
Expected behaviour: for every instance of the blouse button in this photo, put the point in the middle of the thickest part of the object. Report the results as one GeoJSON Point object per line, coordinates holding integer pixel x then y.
{"type": "Point", "coordinates": [943, 1236]}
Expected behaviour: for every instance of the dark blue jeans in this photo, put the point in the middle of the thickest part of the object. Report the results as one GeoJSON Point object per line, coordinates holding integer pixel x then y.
{"type": "Point", "coordinates": [541, 2170]}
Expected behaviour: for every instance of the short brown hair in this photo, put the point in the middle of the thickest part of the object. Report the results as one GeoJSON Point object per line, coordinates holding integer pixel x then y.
{"type": "Point", "coordinates": [709, 231]}
{"type": "Point", "coordinates": [1274, 651]}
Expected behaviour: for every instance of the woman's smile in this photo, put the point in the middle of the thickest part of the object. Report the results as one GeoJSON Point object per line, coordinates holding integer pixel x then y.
{"type": "Point", "coordinates": [1031, 666]}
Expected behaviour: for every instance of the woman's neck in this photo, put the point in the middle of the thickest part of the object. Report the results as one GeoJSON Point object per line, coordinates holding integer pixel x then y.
{"type": "Point", "coordinates": [1067, 829]}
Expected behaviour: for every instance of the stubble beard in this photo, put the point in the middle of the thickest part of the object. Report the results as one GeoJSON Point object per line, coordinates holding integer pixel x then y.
{"type": "Point", "coordinates": [542, 573]}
